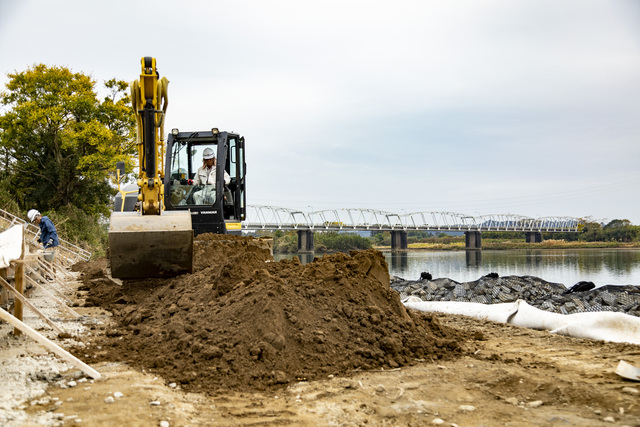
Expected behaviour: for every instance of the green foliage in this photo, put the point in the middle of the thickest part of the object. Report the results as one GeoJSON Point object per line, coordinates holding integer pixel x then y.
{"type": "Point", "coordinates": [511, 235]}
{"type": "Point", "coordinates": [7, 200]}
{"type": "Point", "coordinates": [417, 236]}
{"type": "Point", "coordinates": [381, 238]}
{"type": "Point", "coordinates": [617, 230]}
{"type": "Point", "coordinates": [58, 143]}
{"type": "Point", "coordinates": [85, 230]}
{"type": "Point", "coordinates": [621, 230]}
{"type": "Point", "coordinates": [340, 242]}
{"type": "Point", "coordinates": [285, 242]}
{"type": "Point", "coordinates": [378, 238]}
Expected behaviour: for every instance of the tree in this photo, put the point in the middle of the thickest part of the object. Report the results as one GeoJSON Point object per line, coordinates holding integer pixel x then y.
{"type": "Point", "coordinates": [621, 230]}
{"type": "Point", "coordinates": [617, 223]}
{"type": "Point", "coordinates": [58, 144]}
{"type": "Point", "coordinates": [590, 231]}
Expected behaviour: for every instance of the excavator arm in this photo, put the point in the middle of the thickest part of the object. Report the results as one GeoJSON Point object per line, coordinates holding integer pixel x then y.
{"type": "Point", "coordinates": [150, 99]}
{"type": "Point", "coordinates": [151, 242]}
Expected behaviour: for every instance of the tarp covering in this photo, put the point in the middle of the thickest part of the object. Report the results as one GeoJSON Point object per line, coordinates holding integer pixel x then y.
{"type": "Point", "coordinates": [604, 326]}
{"type": "Point", "coordinates": [10, 245]}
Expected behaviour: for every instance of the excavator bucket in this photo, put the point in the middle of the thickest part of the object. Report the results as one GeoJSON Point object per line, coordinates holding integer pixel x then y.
{"type": "Point", "coordinates": [150, 245]}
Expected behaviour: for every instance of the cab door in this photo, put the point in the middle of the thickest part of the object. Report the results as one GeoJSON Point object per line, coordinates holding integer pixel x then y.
{"type": "Point", "coordinates": [236, 165]}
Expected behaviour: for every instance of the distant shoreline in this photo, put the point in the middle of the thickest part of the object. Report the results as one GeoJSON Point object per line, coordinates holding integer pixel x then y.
{"type": "Point", "coordinates": [511, 245]}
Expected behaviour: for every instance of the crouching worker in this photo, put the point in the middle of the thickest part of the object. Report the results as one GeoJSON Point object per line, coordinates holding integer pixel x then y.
{"type": "Point", "coordinates": [48, 234]}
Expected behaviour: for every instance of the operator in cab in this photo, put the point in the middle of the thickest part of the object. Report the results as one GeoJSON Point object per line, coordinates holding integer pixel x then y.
{"type": "Point", "coordinates": [207, 172]}
{"type": "Point", "coordinates": [205, 180]}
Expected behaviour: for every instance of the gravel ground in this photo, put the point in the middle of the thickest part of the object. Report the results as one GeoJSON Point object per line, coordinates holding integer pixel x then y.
{"type": "Point", "coordinates": [27, 368]}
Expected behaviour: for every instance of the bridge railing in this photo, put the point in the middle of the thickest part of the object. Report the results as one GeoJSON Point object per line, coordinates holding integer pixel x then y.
{"type": "Point", "coordinates": [274, 218]}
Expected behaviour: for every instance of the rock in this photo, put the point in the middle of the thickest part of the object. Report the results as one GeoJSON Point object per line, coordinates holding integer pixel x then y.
{"type": "Point", "coordinates": [71, 384]}
{"type": "Point", "coordinates": [117, 395]}
{"type": "Point", "coordinates": [466, 408]}
{"type": "Point", "coordinates": [512, 400]}
{"type": "Point", "coordinates": [279, 377]}
{"type": "Point", "coordinates": [164, 423]}
{"type": "Point", "coordinates": [609, 419]}
{"type": "Point", "coordinates": [630, 390]}
{"type": "Point", "coordinates": [109, 399]}
{"type": "Point", "coordinates": [535, 404]}
{"type": "Point", "coordinates": [154, 403]}
{"type": "Point", "coordinates": [437, 421]}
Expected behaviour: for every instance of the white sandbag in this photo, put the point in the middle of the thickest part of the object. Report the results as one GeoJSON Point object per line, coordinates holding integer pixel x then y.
{"type": "Point", "coordinates": [603, 325]}
{"type": "Point", "coordinates": [494, 312]}
{"type": "Point", "coordinates": [10, 245]}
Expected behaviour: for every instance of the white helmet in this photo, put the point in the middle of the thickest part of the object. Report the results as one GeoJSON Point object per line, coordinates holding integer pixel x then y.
{"type": "Point", "coordinates": [32, 214]}
{"type": "Point", "coordinates": [207, 154]}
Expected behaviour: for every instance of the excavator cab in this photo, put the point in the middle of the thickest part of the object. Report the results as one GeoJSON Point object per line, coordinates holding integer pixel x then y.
{"type": "Point", "coordinates": [216, 207]}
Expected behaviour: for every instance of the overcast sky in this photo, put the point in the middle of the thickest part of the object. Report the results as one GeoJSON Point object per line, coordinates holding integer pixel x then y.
{"type": "Point", "coordinates": [479, 107]}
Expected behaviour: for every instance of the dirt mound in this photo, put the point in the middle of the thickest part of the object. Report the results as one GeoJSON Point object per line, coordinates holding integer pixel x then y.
{"type": "Point", "coordinates": [242, 321]}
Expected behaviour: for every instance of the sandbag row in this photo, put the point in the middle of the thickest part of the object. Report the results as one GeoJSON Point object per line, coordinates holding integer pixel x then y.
{"type": "Point", "coordinates": [548, 296]}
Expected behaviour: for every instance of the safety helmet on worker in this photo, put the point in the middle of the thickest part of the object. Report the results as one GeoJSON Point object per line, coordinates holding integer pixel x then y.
{"type": "Point", "coordinates": [32, 214]}
{"type": "Point", "coordinates": [207, 154]}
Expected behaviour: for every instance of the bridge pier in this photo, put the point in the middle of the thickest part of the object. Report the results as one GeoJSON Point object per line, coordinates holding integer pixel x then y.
{"type": "Point", "coordinates": [474, 258]}
{"type": "Point", "coordinates": [533, 236]}
{"type": "Point", "coordinates": [473, 240]}
{"type": "Point", "coordinates": [305, 241]}
{"type": "Point", "coordinates": [398, 240]}
{"type": "Point", "coordinates": [399, 260]}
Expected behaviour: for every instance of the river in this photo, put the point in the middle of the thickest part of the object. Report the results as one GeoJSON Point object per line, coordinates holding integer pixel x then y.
{"type": "Point", "coordinates": [566, 266]}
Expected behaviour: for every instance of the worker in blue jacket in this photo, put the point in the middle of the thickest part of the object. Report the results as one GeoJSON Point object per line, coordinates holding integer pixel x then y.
{"type": "Point", "coordinates": [48, 233]}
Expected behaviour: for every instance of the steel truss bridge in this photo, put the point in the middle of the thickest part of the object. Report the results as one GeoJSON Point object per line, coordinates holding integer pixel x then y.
{"type": "Point", "coordinates": [278, 218]}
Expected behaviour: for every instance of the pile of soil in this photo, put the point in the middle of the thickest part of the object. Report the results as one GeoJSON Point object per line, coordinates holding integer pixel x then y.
{"type": "Point", "coordinates": [244, 322]}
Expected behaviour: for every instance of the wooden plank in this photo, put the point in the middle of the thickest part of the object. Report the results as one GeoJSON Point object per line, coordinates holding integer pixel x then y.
{"type": "Point", "coordinates": [18, 280]}
{"type": "Point", "coordinates": [4, 294]}
{"type": "Point", "coordinates": [50, 345]}
{"type": "Point", "coordinates": [19, 293]}
{"type": "Point", "coordinates": [20, 298]}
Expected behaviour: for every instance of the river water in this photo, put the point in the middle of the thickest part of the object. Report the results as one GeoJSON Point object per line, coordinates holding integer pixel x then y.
{"type": "Point", "coordinates": [566, 266]}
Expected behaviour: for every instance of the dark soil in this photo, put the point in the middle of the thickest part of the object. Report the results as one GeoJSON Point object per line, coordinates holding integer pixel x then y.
{"type": "Point", "coordinates": [244, 322]}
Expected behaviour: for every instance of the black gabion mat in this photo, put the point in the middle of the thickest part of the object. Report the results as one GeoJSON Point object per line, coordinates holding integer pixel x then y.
{"type": "Point", "coordinates": [539, 293]}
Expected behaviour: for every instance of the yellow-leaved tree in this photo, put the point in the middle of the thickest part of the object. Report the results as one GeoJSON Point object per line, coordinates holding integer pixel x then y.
{"type": "Point", "coordinates": [59, 143]}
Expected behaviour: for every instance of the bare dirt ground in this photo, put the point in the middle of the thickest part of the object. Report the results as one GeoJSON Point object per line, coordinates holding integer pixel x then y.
{"type": "Point", "coordinates": [511, 376]}
{"type": "Point", "coordinates": [465, 372]}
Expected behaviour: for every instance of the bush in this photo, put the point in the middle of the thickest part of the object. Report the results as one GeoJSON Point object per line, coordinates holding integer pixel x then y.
{"type": "Point", "coordinates": [341, 242]}
{"type": "Point", "coordinates": [285, 242]}
{"type": "Point", "coordinates": [7, 201]}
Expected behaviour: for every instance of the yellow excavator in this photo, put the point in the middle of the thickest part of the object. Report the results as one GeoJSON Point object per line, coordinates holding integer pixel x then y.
{"type": "Point", "coordinates": [152, 241]}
